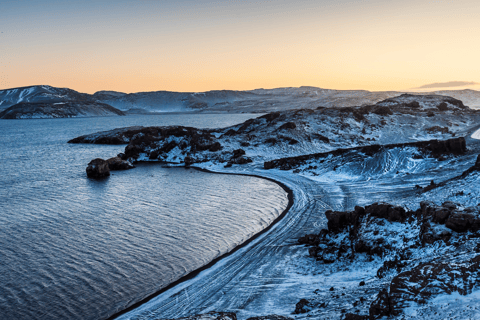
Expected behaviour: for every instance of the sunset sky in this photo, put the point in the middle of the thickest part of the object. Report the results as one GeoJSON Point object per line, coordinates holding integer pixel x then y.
{"type": "Point", "coordinates": [200, 45]}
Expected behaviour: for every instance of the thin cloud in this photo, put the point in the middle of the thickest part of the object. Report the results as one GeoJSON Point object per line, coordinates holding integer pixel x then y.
{"type": "Point", "coordinates": [449, 84]}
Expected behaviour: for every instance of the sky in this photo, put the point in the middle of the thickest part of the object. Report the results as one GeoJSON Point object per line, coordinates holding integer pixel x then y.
{"type": "Point", "coordinates": [201, 45]}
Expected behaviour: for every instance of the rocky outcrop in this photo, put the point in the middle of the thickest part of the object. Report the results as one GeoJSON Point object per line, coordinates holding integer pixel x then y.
{"type": "Point", "coordinates": [394, 234]}
{"type": "Point", "coordinates": [98, 169]}
{"type": "Point", "coordinates": [117, 163]}
{"type": "Point", "coordinates": [433, 102]}
{"type": "Point", "coordinates": [287, 126]}
{"type": "Point", "coordinates": [302, 307]}
{"type": "Point", "coordinates": [370, 230]}
{"type": "Point", "coordinates": [475, 167]}
{"type": "Point", "coordinates": [158, 143]}
{"type": "Point", "coordinates": [425, 281]}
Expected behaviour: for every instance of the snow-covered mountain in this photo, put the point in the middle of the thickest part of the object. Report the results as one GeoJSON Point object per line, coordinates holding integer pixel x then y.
{"type": "Point", "coordinates": [259, 100]}
{"type": "Point", "coordinates": [68, 109]}
{"type": "Point", "coordinates": [47, 94]}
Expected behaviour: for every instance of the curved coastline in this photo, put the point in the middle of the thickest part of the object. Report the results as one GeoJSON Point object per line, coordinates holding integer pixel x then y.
{"type": "Point", "coordinates": [194, 273]}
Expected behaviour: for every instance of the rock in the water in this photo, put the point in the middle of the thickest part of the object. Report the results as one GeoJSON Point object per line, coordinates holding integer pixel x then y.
{"type": "Point", "coordinates": [98, 169]}
{"type": "Point", "coordinates": [116, 163]}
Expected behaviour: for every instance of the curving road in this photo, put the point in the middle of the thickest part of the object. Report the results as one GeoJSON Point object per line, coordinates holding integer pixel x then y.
{"type": "Point", "coordinates": [243, 281]}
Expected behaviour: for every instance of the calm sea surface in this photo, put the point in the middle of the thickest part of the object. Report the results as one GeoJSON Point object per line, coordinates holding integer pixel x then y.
{"type": "Point", "coordinates": [75, 248]}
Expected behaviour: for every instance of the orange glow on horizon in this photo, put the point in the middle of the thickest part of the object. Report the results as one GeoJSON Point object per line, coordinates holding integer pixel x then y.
{"type": "Point", "coordinates": [212, 45]}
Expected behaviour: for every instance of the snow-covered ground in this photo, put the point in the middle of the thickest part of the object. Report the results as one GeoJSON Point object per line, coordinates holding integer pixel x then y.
{"type": "Point", "coordinates": [271, 274]}
{"type": "Point", "coordinates": [476, 135]}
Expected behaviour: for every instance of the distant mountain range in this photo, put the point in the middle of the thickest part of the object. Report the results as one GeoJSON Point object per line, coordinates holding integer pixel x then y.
{"type": "Point", "coordinates": [259, 100]}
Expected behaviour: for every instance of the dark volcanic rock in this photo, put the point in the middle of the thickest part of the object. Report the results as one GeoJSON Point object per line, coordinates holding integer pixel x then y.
{"type": "Point", "coordinates": [302, 307]}
{"type": "Point", "coordinates": [117, 163]}
{"type": "Point", "coordinates": [271, 116]}
{"type": "Point", "coordinates": [387, 211]}
{"type": "Point", "coordinates": [288, 125]}
{"type": "Point", "coordinates": [462, 222]}
{"type": "Point", "coordinates": [425, 281]}
{"type": "Point", "coordinates": [98, 169]}
{"type": "Point", "coordinates": [238, 153]}
{"type": "Point", "coordinates": [243, 160]}
{"type": "Point", "coordinates": [364, 231]}
{"type": "Point", "coordinates": [386, 230]}
{"type": "Point", "coordinates": [338, 220]}
{"type": "Point", "coordinates": [381, 307]}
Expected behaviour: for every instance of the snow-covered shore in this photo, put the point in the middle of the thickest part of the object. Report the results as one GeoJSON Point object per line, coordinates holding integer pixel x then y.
{"type": "Point", "coordinates": [274, 273]}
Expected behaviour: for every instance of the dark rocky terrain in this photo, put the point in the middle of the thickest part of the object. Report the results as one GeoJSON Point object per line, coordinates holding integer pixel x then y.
{"type": "Point", "coordinates": [413, 246]}
{"type": "Point", "coordinates": [300, 132]}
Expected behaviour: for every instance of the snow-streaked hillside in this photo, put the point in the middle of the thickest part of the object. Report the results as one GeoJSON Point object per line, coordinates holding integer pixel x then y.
{"type": "Point", "coordinates": [297, 132]}
{"type": "Point", "coordinates": [46, 94]}
{"type": "Point", "coordinates": [259, 100]}
{"type": "Point", "coordinates": [69, 109]}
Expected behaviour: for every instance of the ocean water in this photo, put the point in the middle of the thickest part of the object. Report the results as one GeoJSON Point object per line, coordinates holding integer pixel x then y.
{"type": "Point", "coordinates": [75, 248]}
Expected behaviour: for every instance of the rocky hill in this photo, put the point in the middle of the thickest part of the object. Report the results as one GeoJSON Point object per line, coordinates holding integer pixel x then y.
{"type": "Point", "coordinates": [36, 94]}
{"type": "Point", "coordinates": [68, 109]}
{"type": "Point", "coordinates": [298, 132]}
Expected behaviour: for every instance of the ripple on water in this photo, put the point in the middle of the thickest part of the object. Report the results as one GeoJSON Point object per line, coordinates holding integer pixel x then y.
{"type": "Point", "coordinates": [81, 249]}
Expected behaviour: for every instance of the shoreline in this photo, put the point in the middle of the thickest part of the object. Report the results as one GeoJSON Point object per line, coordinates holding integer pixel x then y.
{"type": "Point", "coordinates": [194, 273]}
